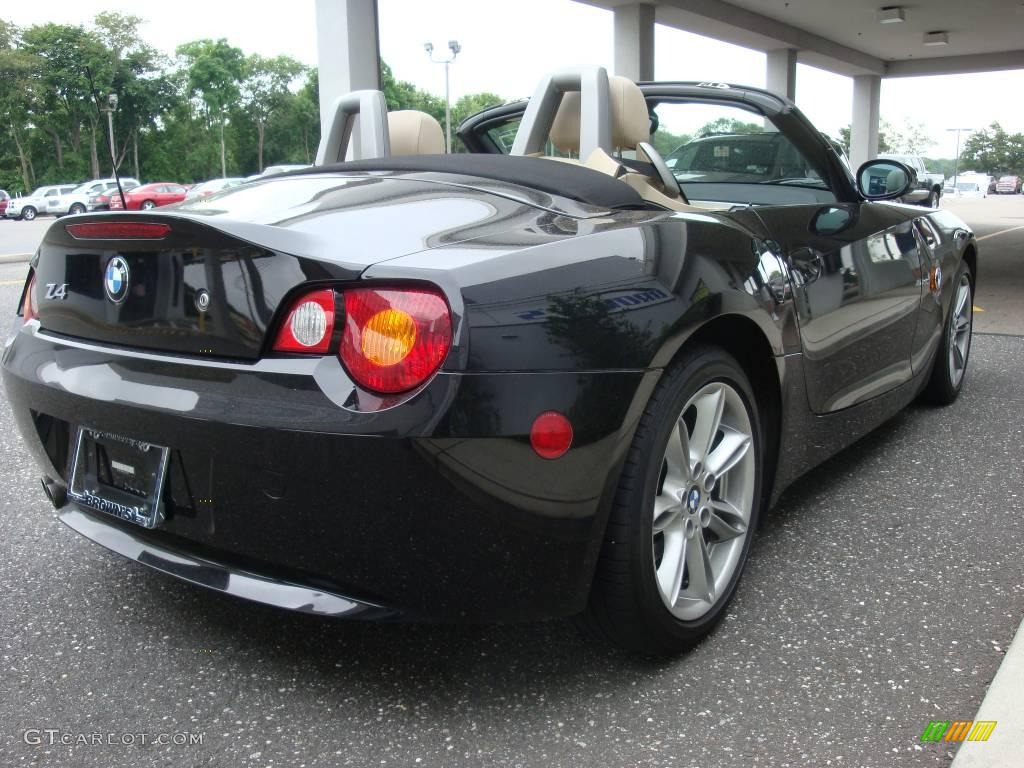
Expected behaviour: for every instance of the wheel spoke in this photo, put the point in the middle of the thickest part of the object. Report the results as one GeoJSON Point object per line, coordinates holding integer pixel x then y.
{"type": "Point", "coordinates": [958, 357]}
{"type": "Point", "coordinates": [667, 510]}
{"type": "Point", "coordinates": [677, 454]}
{"type": "Point", "coordinates": [733, 447]}
{"type": "Point", "coordinates": [670, 573]}
{"type": "Point", "coordinates": [709, 418]}
{"type": "Point", "coordinates": [726, 521]}
{"type": "Point", "coordinates": [698, 568]}
{"type": "Point", "coordinates": [961, 301]}
{"type": "Point", "coordinates": [961, 324]}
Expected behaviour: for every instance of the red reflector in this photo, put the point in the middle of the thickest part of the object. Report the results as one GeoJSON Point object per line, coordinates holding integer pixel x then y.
{"type": "Point", "coordinates": [28, 307]}
{"type": "Point", "coordinates": [309, 324]}
{"type": "Point", "coordinates": [551, 435]}
{"type": "Point", "coordinates": [396, 338]}
{"type": "Point", "coordinates": [118, 230]}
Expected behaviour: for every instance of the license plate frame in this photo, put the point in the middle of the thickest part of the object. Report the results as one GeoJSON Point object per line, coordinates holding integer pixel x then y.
{"type": "Point", "coordinates": [118, 476]}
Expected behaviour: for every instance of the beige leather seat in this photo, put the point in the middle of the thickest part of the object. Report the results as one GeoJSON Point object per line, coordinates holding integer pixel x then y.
{"type": "Point", "coordinates": [414, 133]}
{"type": "Point", "coordinates": [630, 127]}
{"type": "Point", "coordinates": [630, 122]}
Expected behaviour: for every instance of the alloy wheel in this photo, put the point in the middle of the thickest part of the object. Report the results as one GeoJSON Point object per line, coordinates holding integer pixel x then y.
{"type": "Point", "coordinates": [705, 498]}
{"type": "Point", "coordinates": [960, 330]}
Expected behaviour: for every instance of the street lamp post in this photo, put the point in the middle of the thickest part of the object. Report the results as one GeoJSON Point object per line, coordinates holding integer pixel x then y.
{"type": "Point", "coordinates": [956, 161]}
{"type": "Point", "coordinates": [454, 47]}
{"type": "Point", "coordinates": [111, 106]}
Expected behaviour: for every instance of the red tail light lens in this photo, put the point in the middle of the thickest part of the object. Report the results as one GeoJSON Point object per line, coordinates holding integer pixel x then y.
{"type": "Point", "coordinates": [28, 307]}
{"type": "Point", "coordinates": [394, 339]}
{"type": "Point", "coordinates": [118, 230]}
{"type": "Point", "coordinates": [309, 325]}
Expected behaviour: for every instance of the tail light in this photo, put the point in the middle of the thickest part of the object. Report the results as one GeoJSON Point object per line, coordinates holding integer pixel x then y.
{"type": "Point", "coordinates": [309, 325]}
{"type": "Point", "coordinates": [28, 306]}
{"type": "Point", "coordinates": [394, 339]}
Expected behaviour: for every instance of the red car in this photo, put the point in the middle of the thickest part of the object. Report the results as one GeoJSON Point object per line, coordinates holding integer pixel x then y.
{"type": "Point", "coordinates": [4, 197]}
{"type": "Point", "coordinates": [149, 196]}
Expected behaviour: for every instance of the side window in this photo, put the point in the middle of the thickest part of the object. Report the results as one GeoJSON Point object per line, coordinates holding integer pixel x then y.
{"type": "Point", "coordinates": [725, 153]}
{"type": "Point", "coordinates": [503, 135]}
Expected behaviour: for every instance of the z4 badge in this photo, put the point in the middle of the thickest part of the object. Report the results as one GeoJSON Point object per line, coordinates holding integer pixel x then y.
{"type": "Point", "coordinates": [57, 291]}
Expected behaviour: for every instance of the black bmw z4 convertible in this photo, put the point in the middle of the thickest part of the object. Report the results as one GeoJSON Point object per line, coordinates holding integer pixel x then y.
{"type": "Point", "coordinates": [564, 373]}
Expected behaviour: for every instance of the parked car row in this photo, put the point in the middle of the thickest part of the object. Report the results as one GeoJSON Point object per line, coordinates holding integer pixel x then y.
{"type": "Point", "coordinates": [101, 195]}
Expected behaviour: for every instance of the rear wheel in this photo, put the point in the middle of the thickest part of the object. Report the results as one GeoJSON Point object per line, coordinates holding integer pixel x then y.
{"type": "Point", "coordinates": [76, 209]}
{"type": "Point", "coordinates": [685, 510]}
{"type": "Point", "coordinates": [148, 205]}
{"type": "Point", "coordinates": [933, 199]}
{"type": "Point", "coordinates": [950, 364]}
{"type": "Point", "coordinates": [28, 213]}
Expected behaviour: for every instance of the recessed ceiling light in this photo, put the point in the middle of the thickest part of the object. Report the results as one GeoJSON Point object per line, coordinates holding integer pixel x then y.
{"type": "Point", "coordinates": [891, 14]}
{"type": "Point", "coordinates": [936, 38]}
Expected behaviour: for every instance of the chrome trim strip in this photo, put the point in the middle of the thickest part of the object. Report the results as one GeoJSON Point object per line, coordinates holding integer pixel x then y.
{"type": "Point", "coordinates": [293, 366]}
{"type": "Point", "coordinates": [216, 576]}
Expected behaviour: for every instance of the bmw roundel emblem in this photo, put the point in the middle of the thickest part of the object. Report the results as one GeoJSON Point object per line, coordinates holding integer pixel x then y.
{"type": "Point", "coordinates": [115, 281]}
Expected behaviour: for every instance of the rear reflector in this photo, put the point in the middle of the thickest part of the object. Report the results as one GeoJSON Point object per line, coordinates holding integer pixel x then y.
{"type": "Point", "coordinates": [309, 325]}
{"type": "Point", "coordinates": [550, 435]}
{"type": "Point", "coordinates": [118, 230]}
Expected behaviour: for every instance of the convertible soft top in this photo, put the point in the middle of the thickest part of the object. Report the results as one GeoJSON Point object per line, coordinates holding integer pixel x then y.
{"type": "Point", "coordinates": [574, 182]}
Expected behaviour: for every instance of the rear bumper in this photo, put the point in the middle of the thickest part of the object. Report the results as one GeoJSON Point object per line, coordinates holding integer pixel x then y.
{"type": "Point", "coordinates": [280, 489]}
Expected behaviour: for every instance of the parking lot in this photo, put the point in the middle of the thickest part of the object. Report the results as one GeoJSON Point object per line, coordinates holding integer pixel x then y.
{"type": "Point", "coordinates": [882, 593]}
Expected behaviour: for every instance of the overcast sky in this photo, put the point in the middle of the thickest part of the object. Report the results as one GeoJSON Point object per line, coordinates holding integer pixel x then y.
{"type": "Point", "coordinates": [508, 47]}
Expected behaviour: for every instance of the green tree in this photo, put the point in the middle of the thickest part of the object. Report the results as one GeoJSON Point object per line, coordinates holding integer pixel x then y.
{"type": "Point", "coordinates": [265, 90]}
{"type": "Point", "coordinates": [214, 70]}
{"type": "Point", "coordinates": [729, 125]}
{"type": "Point", "coordinates": [16, 68]}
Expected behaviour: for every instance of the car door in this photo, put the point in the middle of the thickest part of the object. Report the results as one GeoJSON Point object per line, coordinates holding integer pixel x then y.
{"type": "Point", "coordinates": [856, 266]}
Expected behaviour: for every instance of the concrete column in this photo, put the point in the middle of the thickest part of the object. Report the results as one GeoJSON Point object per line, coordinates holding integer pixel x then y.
{"type": "Point", "coordinates": [634, 41]}
{"type": "Point", "coordinates": [348, 50]}
{"type": "Point", "coordinates": [780, 71]}
{"type": "Point", "coordinates": [867, 90]}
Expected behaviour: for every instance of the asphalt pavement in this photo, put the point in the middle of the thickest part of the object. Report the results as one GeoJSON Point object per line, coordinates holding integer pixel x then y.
{"type": "Point", "coordinates": [882, 593]}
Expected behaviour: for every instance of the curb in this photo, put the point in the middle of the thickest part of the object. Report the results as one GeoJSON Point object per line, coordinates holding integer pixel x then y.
{"type": "Point", "coordinates": [1002, 703]}
{"type": "Point", "coordinates": [14, 258]}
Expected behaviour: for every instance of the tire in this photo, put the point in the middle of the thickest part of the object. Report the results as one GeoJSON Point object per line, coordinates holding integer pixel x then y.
{"type": "Point", "coordinates": [76, 208]}
{"type": "Point", "coordinates": [28, 213]}
{"type": "Point", "coordinates": [933, 200]}
{"type": "Point", "coordinates": [950, 366]}
{"type": "Point", "coordinates": [629, 604]}
{"type": "Point", "coordinates": [148, 205]}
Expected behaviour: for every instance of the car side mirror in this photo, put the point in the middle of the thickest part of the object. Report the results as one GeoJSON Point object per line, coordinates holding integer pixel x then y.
{"type": "Point", "coordinates": [885, 179]}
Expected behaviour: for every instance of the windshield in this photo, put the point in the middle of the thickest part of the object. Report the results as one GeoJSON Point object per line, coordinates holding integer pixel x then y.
{"type": "Point", "coordinates": [967, 186]}
{"type": "Point", "coordinates": [726, 153]}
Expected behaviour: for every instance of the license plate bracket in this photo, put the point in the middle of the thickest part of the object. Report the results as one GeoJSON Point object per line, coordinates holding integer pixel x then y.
{"type": "Point", "coordinates": [118, 475]}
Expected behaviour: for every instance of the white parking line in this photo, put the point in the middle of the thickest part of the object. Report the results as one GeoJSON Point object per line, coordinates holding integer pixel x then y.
{"type": "Point", "coordinates": [1000, 232]}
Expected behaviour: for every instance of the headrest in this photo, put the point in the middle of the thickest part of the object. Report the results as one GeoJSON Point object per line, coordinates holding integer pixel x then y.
{"type": "Point", "coordinates": [630, 121]}
{"type": "Point", "coordinates": [414, 133]}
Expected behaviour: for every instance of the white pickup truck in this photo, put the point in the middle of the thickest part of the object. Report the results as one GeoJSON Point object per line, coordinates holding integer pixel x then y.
{"type": "Point", "coordinates": [929, 185]}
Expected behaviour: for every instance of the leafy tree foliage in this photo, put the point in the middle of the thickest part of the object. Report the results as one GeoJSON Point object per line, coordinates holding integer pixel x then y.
{"type": "Point", "coordinates": [993, 150]}
{"type": "Point", "coordinates": [207, 111]}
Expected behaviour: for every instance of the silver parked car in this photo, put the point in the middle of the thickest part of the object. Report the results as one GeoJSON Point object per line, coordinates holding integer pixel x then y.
{"type": "Point", "coordinates": [43, 200]}
{"type": "Point", "coordinates": [206, 189]}
{"type": "Point", "coordinates": [79, 200]}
